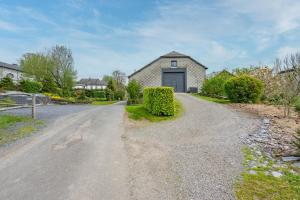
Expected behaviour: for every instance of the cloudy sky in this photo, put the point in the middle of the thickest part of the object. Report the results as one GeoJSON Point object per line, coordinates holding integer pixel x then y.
{"type": "Point", "coordinates": [105, 35]}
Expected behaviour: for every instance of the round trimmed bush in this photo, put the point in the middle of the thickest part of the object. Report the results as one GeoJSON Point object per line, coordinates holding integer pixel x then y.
{"type": "Point", "coordinates": [244, 89]}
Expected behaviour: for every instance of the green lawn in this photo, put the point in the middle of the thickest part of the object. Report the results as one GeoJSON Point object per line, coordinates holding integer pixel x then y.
{"type": "Point", "coordinates": [260, 184]}
{"type": "Point", "coordinates": [138, 112]}
{"type": "Point", "coordinates": [15, 127]}
{"type": "Point", "coordinates": [102, 103]}
{"type": "Point", "coordinates": [211, 99]}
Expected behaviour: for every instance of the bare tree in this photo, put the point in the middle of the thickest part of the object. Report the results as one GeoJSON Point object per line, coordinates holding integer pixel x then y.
{"type": "Point", "coordinates": [288, 71]}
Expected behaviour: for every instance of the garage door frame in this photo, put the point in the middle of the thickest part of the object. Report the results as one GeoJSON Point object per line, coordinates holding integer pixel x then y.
{"type": "Point", "coordinates": [175, 70]}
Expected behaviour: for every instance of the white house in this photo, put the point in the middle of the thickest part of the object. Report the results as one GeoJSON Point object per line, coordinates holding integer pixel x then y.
{"type": "Point", "coordinates": [10, 70]}
{"type": "Point", "coordinates": [91, 84]}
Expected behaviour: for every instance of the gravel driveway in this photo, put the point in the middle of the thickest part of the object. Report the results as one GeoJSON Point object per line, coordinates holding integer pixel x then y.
{"type": "Point", "coordinates": [96, 153]}
{"type": "Point", "coordinates": [197, 156]}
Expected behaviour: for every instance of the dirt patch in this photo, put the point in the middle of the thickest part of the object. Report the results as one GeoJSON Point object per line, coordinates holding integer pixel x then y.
{"type": "Point", "coordinates": [282, 129]}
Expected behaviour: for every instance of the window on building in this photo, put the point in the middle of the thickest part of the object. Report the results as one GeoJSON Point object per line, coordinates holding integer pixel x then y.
{"type": "Point", "coordinates": [174, 63]}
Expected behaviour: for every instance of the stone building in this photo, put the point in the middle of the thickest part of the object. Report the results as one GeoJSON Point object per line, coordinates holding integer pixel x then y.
{"type": "Point", "coordinates": [174, 69]}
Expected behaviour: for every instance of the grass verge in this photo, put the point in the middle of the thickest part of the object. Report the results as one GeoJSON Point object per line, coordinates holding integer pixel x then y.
{"type": "Point", "coordinates": [138, 112]}
{"type": "Point", "coordinates": [13, 127]}
{"type": "Point", "coordinates": [257, 181]}
{"type": "Point", "coordinates": [212, 99]}
{"type": "Point", "coordinates": [102, 103]}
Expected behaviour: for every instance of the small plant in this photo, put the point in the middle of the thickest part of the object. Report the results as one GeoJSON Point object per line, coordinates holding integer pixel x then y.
{"type": "Point", "coordinates": [7, 84]}
{"type": "Point", "coordinates": [244, 89]}
{"type": "Point", "coordinates": [297, 141]}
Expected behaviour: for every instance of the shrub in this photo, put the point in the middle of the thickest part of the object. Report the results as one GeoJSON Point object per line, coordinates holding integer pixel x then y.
{"type": "Point", "coordinates": [109, 94]}
{"type": "Point", "coordinates": [214, 86]}
{"type": "Point", "coordinates": [244, 89]}
{"type": "Point", "coordinates": [30, 86]}
{"type": "Point", "coordinates": [160, 100]}
{"type": "Point", "coordinates": [98, 94]}
{"type": "Point", "coordinates": [7, 83]}
{"type": "Point", "coordinates": [119, 94]}
{"type": "Point", "coordinates": [134, 90]}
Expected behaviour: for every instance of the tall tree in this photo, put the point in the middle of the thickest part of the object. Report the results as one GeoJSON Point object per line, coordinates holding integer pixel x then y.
{"type": "Point", "coordinates": [119, 77]}
{"type": "Point", "coordinates": [63, 71]}
{"type": "Point", "coordinates": [37, 66]}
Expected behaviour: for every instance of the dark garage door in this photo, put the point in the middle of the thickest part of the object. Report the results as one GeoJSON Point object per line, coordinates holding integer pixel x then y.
{"type": "Point", "coordinates": [174, 79]}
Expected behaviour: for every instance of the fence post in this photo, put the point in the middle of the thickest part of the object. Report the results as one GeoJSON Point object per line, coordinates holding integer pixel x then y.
{"type": "Point", "coordinates": [33, 107]}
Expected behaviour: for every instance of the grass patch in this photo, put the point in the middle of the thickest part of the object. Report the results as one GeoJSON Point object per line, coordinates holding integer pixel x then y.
{"type": "Point", "coordinates": [102, 103]}
{"type": "Point", "coordinates": [139, 112]}
{"type": "Point", "coordinates": [262, 185]}
{"type": "Point", "coordinates": [16, 127]}
{"type": "Point", "coordinates": [212, 99]}
{"type": "Point", "coordinates": [8, 120]}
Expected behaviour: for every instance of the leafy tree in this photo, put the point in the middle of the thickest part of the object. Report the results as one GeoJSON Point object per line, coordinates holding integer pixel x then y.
{"type": "Point", "coordinates": [37, 66]}
{"type": "Point", "coordinates": [63, 71]}
{"type": "Point", "coordinates": [7, 84]}
{"type": "Point", "coordinates": [244, 89]}
{"type": "Point", "coordinates": [134, 89]}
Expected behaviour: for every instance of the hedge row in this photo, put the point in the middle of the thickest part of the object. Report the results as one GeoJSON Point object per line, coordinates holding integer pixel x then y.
{"type": "Point", "coordinates": [160, 101]}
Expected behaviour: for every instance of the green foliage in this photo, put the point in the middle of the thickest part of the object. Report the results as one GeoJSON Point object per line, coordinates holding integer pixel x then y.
{"type": "Point", "coordinates": [134, 101]}
{"type": "Point", "coordinates": [160, 100]}
{"type": "Point", "coordinates": [30, 86]}
{"type": "Point", "coordinates": [37, 66]}
{"type": "Point", "coordinates": [134, 90]}
{"type": "Point", "coordinates": [54, 69]}
{"type": "Point", "coordinates": [119, 94]}
{"type": "Point", "coordinates": [95, 93]}
{"type": "Point", "coordinates": [112, 84]}
{"type": "Point", "coordinates": [296, 142]}
{"type": "Point", "coordinates": [109, 94]}
{"type": "Point", "coordinates": [214, 86]}
{"type": "Point", "coordinates": [244, 89]}
{"type": "Point", "coordinates": [7, 83]}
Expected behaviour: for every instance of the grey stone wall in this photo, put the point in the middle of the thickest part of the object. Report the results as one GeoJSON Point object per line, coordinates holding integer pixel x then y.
{"type": "Point", "coordinates": [152, 75]}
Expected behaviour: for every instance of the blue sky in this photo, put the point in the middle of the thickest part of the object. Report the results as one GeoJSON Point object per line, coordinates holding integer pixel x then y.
{"type": "Point", "coordinates": [105, 35]}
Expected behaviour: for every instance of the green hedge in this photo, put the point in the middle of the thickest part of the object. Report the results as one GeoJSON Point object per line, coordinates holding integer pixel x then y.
{"type": "Point", "coordinates": [30, 86]}
{"type": "Point", "coordinates": [244, 89]}
{"type": "Point", "coordinates": [160, 101]}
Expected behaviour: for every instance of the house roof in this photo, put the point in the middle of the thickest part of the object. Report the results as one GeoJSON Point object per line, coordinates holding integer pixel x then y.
{"type": "Point", "coordinates": [10, 66]}
{"type": "Point", "coordinates": [172, 54]}
{"type": "Point", "coordinates": [92, 81]}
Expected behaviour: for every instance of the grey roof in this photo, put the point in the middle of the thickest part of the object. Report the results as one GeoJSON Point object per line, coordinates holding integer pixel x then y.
{"type": "Point", "coordinates": [10, 66]}
{"type": "Point", "coordinates": [172, 54]}
{"type": "Point", "coordinates": [92, 81]}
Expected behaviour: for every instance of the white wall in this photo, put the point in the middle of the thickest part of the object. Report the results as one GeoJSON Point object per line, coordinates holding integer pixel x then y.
{"type": "Point", "coordinates": [17, 75]}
